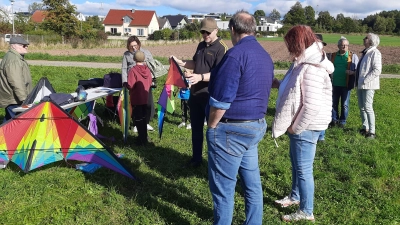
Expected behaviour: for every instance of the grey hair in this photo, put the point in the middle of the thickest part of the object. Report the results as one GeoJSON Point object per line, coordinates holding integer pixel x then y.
{"type": "Point", "coordinates": [243, 24]}
{"type": "Point", "coordinates": [340, 42]}
{"type": "Point", "coordinates": [373, 39]}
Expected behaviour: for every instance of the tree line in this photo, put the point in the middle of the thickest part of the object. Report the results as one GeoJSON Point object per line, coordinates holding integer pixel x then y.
{"type": "Point", "coordinates": [385, 22]}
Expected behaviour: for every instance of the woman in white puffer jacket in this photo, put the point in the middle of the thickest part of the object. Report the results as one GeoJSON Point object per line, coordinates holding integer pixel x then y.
{"type": "Point", "coordinates": [303, 110]}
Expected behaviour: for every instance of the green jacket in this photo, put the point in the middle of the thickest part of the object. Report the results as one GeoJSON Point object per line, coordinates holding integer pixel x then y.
{"type": "Point", "coordinates": [15, 79]}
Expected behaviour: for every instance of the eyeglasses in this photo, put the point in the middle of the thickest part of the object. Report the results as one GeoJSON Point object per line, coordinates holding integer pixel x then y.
{"type": "Point", "coordinates": [343, 45]}
{"type": "Point", "coordinates": [203, 31]}
{"type": "Point", "coordinates": [24, 46]}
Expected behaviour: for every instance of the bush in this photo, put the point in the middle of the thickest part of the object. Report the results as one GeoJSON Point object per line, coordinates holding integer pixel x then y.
{"type": "Point", "coordinates": [157, 35]}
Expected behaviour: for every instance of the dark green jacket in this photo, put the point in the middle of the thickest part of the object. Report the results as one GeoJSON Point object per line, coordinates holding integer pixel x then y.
{"type": "Point", "coordinates": [15, 79]}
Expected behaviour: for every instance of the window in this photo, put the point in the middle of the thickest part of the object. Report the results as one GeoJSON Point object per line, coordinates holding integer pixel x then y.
{"type": "Point", "coordinates": [140, 32]}
{"type": "Point", "coordinates": [127, 19]}
{"type": "Point", "coordinates": [127, 30]}
{"type": "Point", "coordinates": [113, 30]}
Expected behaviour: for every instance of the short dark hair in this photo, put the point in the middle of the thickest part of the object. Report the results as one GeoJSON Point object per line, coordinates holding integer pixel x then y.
{"type": "Point", "coordinates": [132, 39]}
{"type": "Point", "coordinates": [243, 23]}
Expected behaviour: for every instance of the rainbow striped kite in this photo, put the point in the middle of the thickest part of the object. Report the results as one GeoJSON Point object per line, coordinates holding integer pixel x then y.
{"type": "Point", "coordinates": [45, 134]}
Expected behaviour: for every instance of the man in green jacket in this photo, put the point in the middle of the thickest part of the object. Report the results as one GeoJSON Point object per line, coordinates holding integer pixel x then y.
{"type": "Point", "coordinates": [15, 77]}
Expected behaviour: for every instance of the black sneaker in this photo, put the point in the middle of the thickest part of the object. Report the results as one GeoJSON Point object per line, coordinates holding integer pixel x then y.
{"type": "Point", "coordinates": [341, 126]}
{"type": "Point", "coordinates": [363, 132]}
{"type": "Point", "coordinates": [192, 164]}
{"type": "Point", "coordinates": [332, 124]}
{"type": "Point", "coordinates": [370, 136]}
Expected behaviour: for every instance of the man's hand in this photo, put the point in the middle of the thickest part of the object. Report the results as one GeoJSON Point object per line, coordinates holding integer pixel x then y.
{"type": "Point", "coordinates": [192, 78]}
{"type": "Point", "coordinates": [180, 62]}
{"type": "Point", "coordinates": [349, 72]}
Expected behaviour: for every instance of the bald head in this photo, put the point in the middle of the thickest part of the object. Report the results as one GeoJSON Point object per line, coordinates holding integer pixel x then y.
{"type": "Point", "coordinates": [243, 22]}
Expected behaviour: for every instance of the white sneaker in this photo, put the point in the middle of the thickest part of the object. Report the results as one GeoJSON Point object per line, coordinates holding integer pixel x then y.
{"type": "Point", "coordinates": [205, 122]}
{"type": "Point", "coordinates": [189, 126]}
{"type": "Point", "coordinates": [149, 128]}
{"type": "Point", "coordinates": [298, 215]}
{"type": "Point", "coordinates": [134, 129]}
{"type": "Point", "coordinates": [287, 201]}
{"type": "Point", "coordinates": [182, 125]}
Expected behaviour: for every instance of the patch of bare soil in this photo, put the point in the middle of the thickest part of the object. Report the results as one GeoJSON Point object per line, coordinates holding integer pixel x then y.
{"type": "Point", "coordinates": [277, 50]}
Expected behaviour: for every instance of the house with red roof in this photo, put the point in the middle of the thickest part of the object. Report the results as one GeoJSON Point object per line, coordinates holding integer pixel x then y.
{"type": "Point", "coordinates": [140, 23]}
{"type": "Point", "coordinates": [38, 16]}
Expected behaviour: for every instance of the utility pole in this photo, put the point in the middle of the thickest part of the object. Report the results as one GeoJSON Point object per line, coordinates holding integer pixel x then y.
{"type": "Point", "coordinates": [12, 14]}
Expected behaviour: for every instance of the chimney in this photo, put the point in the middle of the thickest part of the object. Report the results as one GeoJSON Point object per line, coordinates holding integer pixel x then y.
{"type": "Point", "coordinates": [133, 10]}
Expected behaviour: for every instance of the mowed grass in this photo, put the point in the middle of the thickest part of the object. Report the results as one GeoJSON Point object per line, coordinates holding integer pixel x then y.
{"type": "Point", "coordinates": [357, 181]}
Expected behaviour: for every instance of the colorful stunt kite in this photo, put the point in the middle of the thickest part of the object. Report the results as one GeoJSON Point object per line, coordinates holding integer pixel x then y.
{"type": "Point", "coordinates": [175, 75]}
{"type": "Point", "coordinates": [45, 134]}
{"type": "Point", "coordinates": [124, 111]}
{"type": "Point", "coordinates": [166, 103]}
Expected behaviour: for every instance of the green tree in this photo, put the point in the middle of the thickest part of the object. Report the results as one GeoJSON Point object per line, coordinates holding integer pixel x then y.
{"type": "Point", "coordinates": [35, 6]}
{"type": "Point", "coordinates": [257, 14]}
{"type": "Point", "coordinates": [380, 24]}
{"type": "Point", "coordinates": [60, 17]}
{"type": "Point", "coordinates": [348, 25]}
{"type": "Point", "coordinates": [310, 15]}
{"type": "Point", "coordinates": [391, 25]}
{"type": "Point", "coordinates": [275, 15]}
{"type": "Point", "coordinates": [95, 22]}
{"type": "Point", "coordinates": [166, 33]}
{"type": "Point", "coordinates": [295, 15]}
{"type": "Point", "coordinates": [325, 20]}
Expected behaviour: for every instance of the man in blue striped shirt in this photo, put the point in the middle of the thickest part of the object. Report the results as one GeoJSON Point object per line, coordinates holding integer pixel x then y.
{"type": "Point", "coordinates": [239, 90]}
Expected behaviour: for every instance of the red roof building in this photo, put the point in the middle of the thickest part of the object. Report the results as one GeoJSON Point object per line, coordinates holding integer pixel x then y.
{"type": "Point", "coordinates": [38, 16]}
{"type": "Point", "coordinates": [131, 22]}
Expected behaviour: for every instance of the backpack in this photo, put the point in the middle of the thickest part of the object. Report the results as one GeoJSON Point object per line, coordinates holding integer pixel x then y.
{"type": "Point", "coordinates": [112, 80]}
{"type": "Point", "coordinates": [59, 98]}
{"type": "Point", "coordinates": [350, 79]}
{"type": "Point", "coordinates": [156, 67]}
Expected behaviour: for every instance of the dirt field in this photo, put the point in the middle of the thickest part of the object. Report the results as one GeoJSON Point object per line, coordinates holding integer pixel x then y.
{"type": "Point", "coordinates": [277, 50]}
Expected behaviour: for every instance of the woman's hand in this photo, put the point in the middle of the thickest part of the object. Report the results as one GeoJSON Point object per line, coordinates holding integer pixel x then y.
{"type": "Point", "coordinates": [290, 130]}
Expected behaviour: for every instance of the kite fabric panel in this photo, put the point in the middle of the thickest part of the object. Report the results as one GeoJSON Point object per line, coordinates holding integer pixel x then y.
{"type": "Point", "coordinates": [45, 134]}
{"type": "Point", "coordinates": [175, 75]}
{"type": "Point", "coordinates": [124, 112]}
{"type": "Point", "coordinates": [166, 103]}
{"type": "Point", "coordinates": [80, 112]}
{"type": "Point", "coordinates": [43, 88]}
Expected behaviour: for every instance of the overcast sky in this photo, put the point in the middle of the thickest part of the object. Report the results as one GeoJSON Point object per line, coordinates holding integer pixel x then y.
{"type": "Point", "coordinates": [355, 8]}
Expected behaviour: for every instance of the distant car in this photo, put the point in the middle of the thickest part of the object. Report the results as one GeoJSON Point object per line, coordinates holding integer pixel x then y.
{"type": "Point", "coordinates": [7, 37]}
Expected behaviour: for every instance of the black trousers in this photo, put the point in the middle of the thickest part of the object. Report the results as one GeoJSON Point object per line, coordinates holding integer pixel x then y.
{"type": "Point", "coordinates": [140, 112]}
{"type": "Point", "coordinates": [197, 104]}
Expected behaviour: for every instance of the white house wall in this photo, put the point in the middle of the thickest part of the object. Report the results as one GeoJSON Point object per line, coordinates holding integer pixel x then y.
{"type": "Point", "coordinates": [153, 25]}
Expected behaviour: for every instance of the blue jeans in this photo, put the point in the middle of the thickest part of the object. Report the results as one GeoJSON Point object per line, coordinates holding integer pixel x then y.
{"type": "Point", "coordinates": [365, 101]}
{"type": "Point", "coordinates": [302, 153]}
{"type": "Point", "coordinates": [342, 93]}
{"type": "Point", "coordinates": [233, 148]}
{"type": "Point", "coordinates": [321, 136]}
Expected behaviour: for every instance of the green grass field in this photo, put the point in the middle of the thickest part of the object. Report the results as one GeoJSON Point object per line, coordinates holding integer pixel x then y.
{"type": "Point", "coordinates": [357, 181]}
{"type": "Point", "coordinates": [385, 40]}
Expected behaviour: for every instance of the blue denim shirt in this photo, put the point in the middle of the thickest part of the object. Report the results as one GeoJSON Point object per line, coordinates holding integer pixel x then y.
{"type": "Point", "coordinates": [241, 82]}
